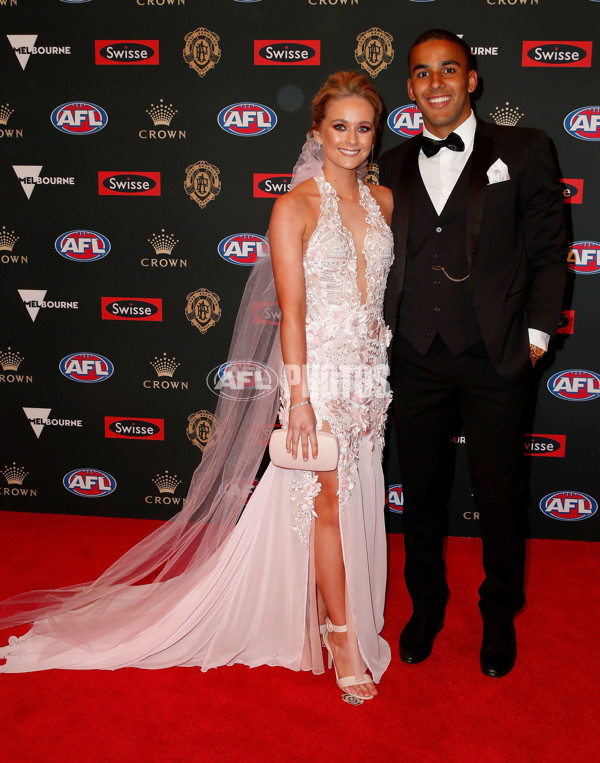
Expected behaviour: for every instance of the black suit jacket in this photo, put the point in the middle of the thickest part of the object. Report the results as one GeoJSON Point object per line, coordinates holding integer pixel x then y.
{"type": "Point", "coordinates": [515, 239]}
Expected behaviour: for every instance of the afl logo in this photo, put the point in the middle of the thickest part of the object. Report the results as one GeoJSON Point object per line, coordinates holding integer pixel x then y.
{"type": "Point", "coordinates": [406, 121]}
{"type": "Point", "coordinates": [576, 385]}
{"type": "Point", "coordinates": [82, 245]}
{"type": "Point", "coordinates": [79, 118]}
{"type": "Point", "coordinates": [242, 379]}
{"type": "Point", "coordinates": [395, 501]}
{"type": "Point", "coordinates": [86, 367]}
{"type": "Point", "coordinates": [89, 483]}
{"type": "Point", "coordinates": [584, 257]}
{"type": "Point", "coordinates": [568, 506]}
{"type": "Point", "coordinates": [584, 123]}
{"type": "Point", "coordinates": [247, 119]}
{"type": "Point", "coordinates": [243, 248]}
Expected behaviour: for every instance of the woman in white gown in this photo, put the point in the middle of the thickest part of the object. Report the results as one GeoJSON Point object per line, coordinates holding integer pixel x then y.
{"type": "Point", "coordinates": [307, 556]}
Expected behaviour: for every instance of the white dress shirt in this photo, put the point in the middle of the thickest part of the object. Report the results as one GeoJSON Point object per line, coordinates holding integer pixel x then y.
{"type": "Point", "coordinates": [440, 174]}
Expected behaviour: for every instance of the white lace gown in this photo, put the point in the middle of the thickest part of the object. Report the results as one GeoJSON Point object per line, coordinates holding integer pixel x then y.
{"type": "Point", "coordinates": [258, 604]}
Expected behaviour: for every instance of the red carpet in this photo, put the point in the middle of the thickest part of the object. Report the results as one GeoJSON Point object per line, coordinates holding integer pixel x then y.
{"type": "Point", "coordinates": [441, 710]}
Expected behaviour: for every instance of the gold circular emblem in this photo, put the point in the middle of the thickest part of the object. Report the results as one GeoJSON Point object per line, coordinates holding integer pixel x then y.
{"type": "Point", "coordinates": [202, 182]}
{"type": "Point", "coordinates": [202, 309]}
{"type": "Point", "coordinates": [199, 428]}
{"type": "Point", "coordinates": [201, 50]}
{"type": "Point", "coordinates": [374, 50]}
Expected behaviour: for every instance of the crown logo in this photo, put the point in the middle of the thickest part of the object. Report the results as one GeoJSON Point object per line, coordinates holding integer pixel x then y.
{"type": "Point", "coordinates": [161, 114]}
{"type": "Point", "coordinates": [166, 483]}
{"type": "Point", "coordinates": [165, 366]}
{"type": "Point", "coordinates": [163, 243]}
{"type": "Point", "coordinates": [14, 474]}
{"type": "Point", "coordinates": [5, 112]}
{"type": "Point", "coordinates": [7, 239]}
{"type": "Point", "coordinates": [504, 115]}
{"type": "Point", "coordinates": [10, 360]}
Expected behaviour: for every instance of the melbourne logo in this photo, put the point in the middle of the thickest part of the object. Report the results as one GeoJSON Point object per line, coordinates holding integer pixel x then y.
{"type": "Point", "coordinates": [572, 190]}
{"type": "Point", "coordinates": [86, 367]}
{"type": "Point", "coordinates": [79, 118]}
{"type": "Point", "coordinates": [40, 417]}
{"type": "Point", "coordinates": [406, 120]}
{"type": "Point", "coordinates": [242, 380]}
{"type": "Point", "coordinates": [161, 115]}
{"type": "Point", "coordinates": [34, 300]}
{"type": "Point", "coordinates": [548, 53]}
{"type": "Point", "coordinates": [29, 177]}
{"type": "Point", "coordinates": [82, 245]}
{"type": "Point", "coordinates": [202, 182]}
{"type": "Point", "coordinates": [202, 309]}
{"type": "Point", "coordinates": [545, 445]}
{"type": "Point", "coordinates": [576, 385]}
{"type": "Point", "coordinates": [24, 46]}
{"type": "Point", "coordinates": [247, 119]}
{"type": "Point", "coordinates": [374, 50]}
{"type": "Point", "coordinates": [287, 52]}
{"type": "Point", "coordinates": [270, 186]}
{"type": "Point", "coordinates": [131, 309]}
{"type": "Point", "coordinates": [395, 501]}
{"type": "Point", "coordinates": [127, 428]}
{"type": "Point", "coordinates": [584, 257]}
{"type": "Point", "coordinates": [568, 506]}
{"type": "Point", "coordinates": [127, 52]}
{"type": "Point", "coordinates": [128, 183]}
{"type": "Point", "coordinates": [90, 483]}
{"type": "Point", "coordinates": [243, 248]}
{"type": "Point", "coordinates": [201, 50]}
{"type": "Point", "coordinates": [584, 123]}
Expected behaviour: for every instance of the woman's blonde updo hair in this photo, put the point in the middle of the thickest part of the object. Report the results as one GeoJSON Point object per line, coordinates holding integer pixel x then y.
{"type": "Point", "coordinates": [342, 85]}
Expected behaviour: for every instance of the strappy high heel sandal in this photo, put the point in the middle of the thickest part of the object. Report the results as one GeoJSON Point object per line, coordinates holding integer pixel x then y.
{"type": "Point", "coordinates": [345, 681]}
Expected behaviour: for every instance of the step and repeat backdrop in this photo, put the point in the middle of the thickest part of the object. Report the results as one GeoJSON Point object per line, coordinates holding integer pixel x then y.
{"type": "Point", "coordinates": [143, 143]}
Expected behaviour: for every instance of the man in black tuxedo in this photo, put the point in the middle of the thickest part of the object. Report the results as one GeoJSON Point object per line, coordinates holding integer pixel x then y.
{"type": "Point", "coordinates": [473, 298]}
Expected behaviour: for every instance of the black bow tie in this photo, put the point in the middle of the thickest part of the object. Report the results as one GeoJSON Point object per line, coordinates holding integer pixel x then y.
{"type": "Point", "coordinates": [453, 141]}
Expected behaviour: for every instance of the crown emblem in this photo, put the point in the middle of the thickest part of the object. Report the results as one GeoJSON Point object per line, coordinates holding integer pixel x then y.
{"type": "Point", "coordinates": [165, 366]}
{"type": "Point", "coordinates": [163, 243]}
{"type": "Point", "coordinates": [504, 115]}
{"type": "Point", "coordinates": [166, 483]}
{"type": "Point", "coordinates": [5, 112]}
{"type": "Point", "coordinates": [14, 474]}
{"type": "Point", "coordinates": [161, 114]}
{"type": "Point", "coordinates": [7, 239]}
{"type": "Point", "coordinates": [10, 360]}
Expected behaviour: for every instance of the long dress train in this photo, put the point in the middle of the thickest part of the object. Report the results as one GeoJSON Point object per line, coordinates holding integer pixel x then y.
{"type": "Point", "coordinates": [256, 601]}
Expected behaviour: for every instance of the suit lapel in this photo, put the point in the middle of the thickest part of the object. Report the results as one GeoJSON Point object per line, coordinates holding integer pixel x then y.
{"type": "Point", "coordinates": [404, 186]}
{"type": "Point", "coordinates": [480, 161]}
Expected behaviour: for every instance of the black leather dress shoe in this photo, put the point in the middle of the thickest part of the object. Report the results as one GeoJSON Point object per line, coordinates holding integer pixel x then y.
{"type": "Point", "coordinates": [416, 640]}
{"type": "Point", "coordinates": [498, 648]}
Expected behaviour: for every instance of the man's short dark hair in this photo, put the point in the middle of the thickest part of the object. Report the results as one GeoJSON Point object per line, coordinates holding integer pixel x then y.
{"type": "Point", "coordinates": [444, 34]}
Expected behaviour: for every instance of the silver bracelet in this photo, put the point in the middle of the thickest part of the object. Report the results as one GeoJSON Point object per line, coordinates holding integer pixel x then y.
{"type": "Point", "coordinates": [304, 402]}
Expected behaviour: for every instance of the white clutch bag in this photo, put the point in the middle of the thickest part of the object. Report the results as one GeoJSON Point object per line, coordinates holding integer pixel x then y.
{"type": "Point", "coordinates": [326, 460]}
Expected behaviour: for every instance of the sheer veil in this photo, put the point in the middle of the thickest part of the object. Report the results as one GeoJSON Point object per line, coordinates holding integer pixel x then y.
{"type": "Point", "coordinates": [157, 571]}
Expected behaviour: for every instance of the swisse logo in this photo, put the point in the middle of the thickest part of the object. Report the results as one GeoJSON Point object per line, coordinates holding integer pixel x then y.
{"type": "Point", "coordinates": [568, 506]}
{"type": "Point", "coordinates": [242, 380]}
{"type": "Point", "coordinates": [131, 309]}
{"type": "Point", "coordinates": [243, 248]}
{"type": "Point", "coordinates": [79, 118]}
{"type": "Point", "coordinates": [584, 257]}
{"type": "Point", "coordinates": [128, 183]}
{"type": "Point", "coordinates": [552, 53]}
{"type": "Point", "coordinates": [576, 385]}
{"type": "Point", "coordinates": [127, 52]}
{"type": "Point", "coordinates": [572, 190]}
{"type": "Point", "coordinates": [266, 313]}
{"type": "Point", "coordinates": [545, 445]}
{"type": "Point", "coordinates": [86, 367]}
{"type": "Point", "coordinates": [90, 483]}
{"type": "Point", "coordinates": [123, 428]}
{"type": "Point", "coordinates": [406, 121]}
{"type": "Point", "coordinates": [395, 501]}
{"type": "Point", "coordinates": [247, 119]}
{"type": "Point", "coordinates": [270, 186]}
{"type": "Point", "coordinates": [82, 245]}
{"type": "Point", "coordinates": [287, 52]}
{"type": "Point", "coordinates": [584, 123]}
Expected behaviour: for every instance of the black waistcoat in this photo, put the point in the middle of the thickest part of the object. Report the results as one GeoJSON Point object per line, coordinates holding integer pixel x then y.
{"type": "Point", "coordinates": [431, 303]}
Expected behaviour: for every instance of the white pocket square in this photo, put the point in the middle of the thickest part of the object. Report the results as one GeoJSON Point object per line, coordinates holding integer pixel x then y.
{"type": "Point", "coordinates": [498, 172]}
